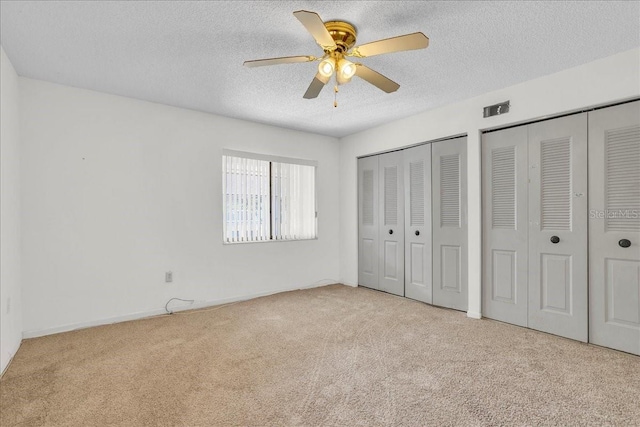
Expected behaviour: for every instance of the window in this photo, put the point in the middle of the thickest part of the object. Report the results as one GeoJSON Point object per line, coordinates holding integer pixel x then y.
{"type": "Point", "coordinates": [267, 198]}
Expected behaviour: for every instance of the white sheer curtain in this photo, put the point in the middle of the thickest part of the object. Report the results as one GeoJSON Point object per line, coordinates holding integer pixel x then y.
{"type": "Point", "coordinates": [246, 199]}
{"type": "Point", "coordinates": [293, 201]}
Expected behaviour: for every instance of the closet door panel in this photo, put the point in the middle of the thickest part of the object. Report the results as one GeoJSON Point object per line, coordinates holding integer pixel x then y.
{"type": "Point", "coordinates": [558, 227]}
{"type": "Point", "coordinates": [368, 222]}
{"type": "Point", "coordinates": [449, 223]}
{"type": "Point", "coordinates": [614, 227]}
{"type": "Point", "coordinates": [505, 227]}
{"type": "Point", "coordinates": [417, 190]}
{"type": "Point", "coordinates": [391, 214]}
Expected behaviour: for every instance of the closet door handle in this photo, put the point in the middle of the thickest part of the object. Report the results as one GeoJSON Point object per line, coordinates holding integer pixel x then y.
{"type": "Point", "coordinates": [624, 243]}
{"type": "Point", "coordinates": [417, 233]}
{"type": "Point", "coordinates": [554, 239]}
{"type": "Point", "coordinates": [390, 231]}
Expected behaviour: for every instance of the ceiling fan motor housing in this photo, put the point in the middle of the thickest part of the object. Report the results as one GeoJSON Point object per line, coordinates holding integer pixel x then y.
{"type": "Point", "coordinates": [343, 34]}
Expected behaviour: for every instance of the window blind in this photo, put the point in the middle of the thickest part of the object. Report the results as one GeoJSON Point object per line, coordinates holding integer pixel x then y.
{"type": "Point", "coordinates": [246, 199]}
{"type": "Point", "coordinates": [267, 198]}
{"type": "Point", "coordinates": [293, 201]}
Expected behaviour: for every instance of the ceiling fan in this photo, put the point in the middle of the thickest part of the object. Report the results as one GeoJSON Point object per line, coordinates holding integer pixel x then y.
{"type": "Point", "coordinates": [337, 38]}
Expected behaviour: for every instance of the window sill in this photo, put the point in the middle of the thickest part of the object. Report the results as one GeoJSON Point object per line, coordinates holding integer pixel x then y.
{"type": "Point", "coordinates": [269, 241]}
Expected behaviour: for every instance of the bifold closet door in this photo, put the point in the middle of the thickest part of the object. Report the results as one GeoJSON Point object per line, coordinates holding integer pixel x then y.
{"type": "Point", "coordinates": [558, 227]}
{"type": "Point", "coordinates": [449, 177]}
{"type": "Point", "coordinates": [417, 190]}
{"type": "Point", "coordinates": [614, 227]}
{"type": "Point", "coordinates": [368, 222]}
{"type": "Point", "coordinates": [505, 226]}
{"type": "Point", "coordinates": [391, 214]}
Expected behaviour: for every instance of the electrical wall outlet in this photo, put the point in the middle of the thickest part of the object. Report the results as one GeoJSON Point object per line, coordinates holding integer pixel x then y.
{"type": "Point", "coordinates": [168, 276]}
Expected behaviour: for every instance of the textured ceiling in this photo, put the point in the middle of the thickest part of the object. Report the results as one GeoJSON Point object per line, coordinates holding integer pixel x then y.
{"type": "Point", "coordinates": [190, 54]}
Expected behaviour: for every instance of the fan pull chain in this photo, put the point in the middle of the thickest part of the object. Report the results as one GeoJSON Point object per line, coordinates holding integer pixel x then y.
{"type": "Point", "coordinates": [335, 96]}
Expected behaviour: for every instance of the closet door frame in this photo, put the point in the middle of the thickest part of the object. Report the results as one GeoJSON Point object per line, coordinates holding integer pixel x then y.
{"type": "Point", "coordinates": [594, 234]}
{"type": "Point", "coordinates": [412, 287]}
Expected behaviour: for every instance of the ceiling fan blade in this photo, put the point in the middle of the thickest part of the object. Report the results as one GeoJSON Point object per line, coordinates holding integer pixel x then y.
{"type": "Point", "coordinates": [281, 60]}
{"type": "Point", "coordinates": [313, 23]}
{"type": "Point", "coordinates": [319, 81]}
{"type": "Point", "coordinates": [376, 79]}
{"type": "Point", "coordinates": [394, 44]}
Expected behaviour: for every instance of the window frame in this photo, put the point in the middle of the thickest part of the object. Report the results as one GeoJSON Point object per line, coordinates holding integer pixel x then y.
{"type": "Point", "coordinates": [271, 159]}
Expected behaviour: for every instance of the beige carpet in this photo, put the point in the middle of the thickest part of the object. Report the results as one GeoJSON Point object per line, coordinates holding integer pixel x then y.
{"type": "Point", "coordinates": [332, 356]}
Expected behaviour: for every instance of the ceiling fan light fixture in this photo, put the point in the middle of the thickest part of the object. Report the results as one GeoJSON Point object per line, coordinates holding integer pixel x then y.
{"type": "Point", "coordinates": [346, 69]}
{"type": "Point", "coordinates": [337, 40]}
{"type": "Point", "coordinates": [327, 67]}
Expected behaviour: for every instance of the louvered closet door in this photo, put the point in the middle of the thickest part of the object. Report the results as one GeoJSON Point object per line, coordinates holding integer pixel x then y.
{"type": "Point", "coordinates": [449, 165]}
{"type": "Point", "coordinates": [505, 225]}
{"type": "Point", "coordinates": [614, 227]}
{"type": "Point", "coordinates": [417, 190]}
{"type": "Point", "coordinates": [368, 222]}
{"type": "Point", "coordinates": [391, 230]}
{"type": "Point", "coordinates": [558, 226]}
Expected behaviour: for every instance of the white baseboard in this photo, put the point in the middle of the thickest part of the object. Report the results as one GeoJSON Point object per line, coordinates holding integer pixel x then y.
{"type": "Point", "coordinates": [474, 314]}
{"type": "Point", "coordinates": [90, 323]}
{"type": "Point", "coordinates": [12, 353]}
{"type": "Point", "coordinates": [144, 314]}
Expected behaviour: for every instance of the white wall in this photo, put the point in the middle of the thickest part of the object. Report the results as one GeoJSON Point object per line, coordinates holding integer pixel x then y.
{"type": "Point", "coordinates": [117, 191]}
{"type": "Point", "coordinates": [10, 283]}
{"type": "Point", "coordinates": [608, 80]}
